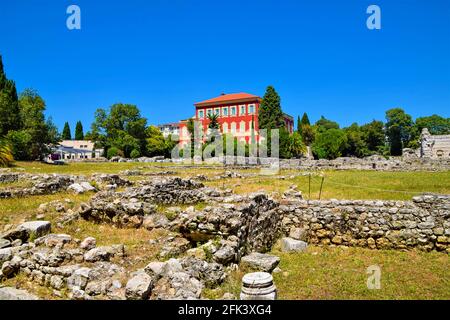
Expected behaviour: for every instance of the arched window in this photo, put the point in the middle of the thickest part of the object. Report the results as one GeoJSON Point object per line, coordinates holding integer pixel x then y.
{"type": "Point", "coordinates": [225, 127]}
{"type": "Point", "coordinates": [233, 127]}
{"type": "Point", "coordinates": [242, 126]}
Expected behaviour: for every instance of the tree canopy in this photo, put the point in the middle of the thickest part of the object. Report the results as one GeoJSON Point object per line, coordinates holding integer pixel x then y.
{"type": "Point", "coordinates": [399, 130]}
{"type": "Point", "coordinates": [122, 127]}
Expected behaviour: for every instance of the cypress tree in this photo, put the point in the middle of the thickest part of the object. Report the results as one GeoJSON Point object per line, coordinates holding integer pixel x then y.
{"type": "Point", "coordinates": [66, 135]}
{"type": "Point", "coordinates": [305, 119]}
{"type": "Point", "coordinates": [299, 125]}
{"type": "Point", "coordinates": [270, 114]}
{"type": "Point", "coordinates": [9, 104]}
{"type": "Point", "coordinates": [79, 135]}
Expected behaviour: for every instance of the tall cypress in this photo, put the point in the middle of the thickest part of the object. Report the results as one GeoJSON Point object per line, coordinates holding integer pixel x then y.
{"type": "Point", "coordinates": [299, 125]}
{"type": "Point", "coordinates": [270, 113]}
{"type": "Point", "coordinates": [66, 134]}
{"type": "Point", "coordinates": [305, 119]}
{"type": "Point", "coordinates": [9, 104]}
{"type": "Point", "coordinates": [79, 135]}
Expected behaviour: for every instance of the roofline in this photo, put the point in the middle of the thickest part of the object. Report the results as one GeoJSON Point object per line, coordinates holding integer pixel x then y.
{"type": "Point", "coordinates": [231, 101]}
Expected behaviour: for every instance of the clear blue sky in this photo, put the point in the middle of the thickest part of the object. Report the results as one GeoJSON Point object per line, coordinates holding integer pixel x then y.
{"type": "Point", "coordinates": [165, 55]}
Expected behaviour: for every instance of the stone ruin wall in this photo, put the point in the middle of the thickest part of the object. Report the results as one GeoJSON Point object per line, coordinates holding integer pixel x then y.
{"type": "Point", "coordinates": [422, 223]}
{"type": "Point", "coordinates": [434, 147]}
{"type": "Point", "coordinates": [377, 163]}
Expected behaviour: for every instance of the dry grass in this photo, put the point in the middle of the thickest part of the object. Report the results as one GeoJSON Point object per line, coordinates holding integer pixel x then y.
{"type": "Point", "coordinates": [17, 210]}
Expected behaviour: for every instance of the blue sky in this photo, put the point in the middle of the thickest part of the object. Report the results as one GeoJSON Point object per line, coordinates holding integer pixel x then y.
{"type": "Point", "coordinates": [165, 55]}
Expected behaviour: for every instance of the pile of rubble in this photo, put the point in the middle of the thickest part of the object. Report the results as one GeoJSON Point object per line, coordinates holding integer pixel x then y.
{"type": "Point", "coordinates": [81, 270]}
{"type": "Point", "coordinates": [41, 184]}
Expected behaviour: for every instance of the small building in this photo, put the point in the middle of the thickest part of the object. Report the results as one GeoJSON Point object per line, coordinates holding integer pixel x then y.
{"type": "Point", "coordinates": [237, 114]}
{"type": "Point", "coordinates": [76, 149]}
{"type": "Point", "coordinates": [168, 129]}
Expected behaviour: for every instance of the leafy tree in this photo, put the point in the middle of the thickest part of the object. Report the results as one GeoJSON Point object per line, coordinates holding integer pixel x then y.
{"type": "Point", "coordinates": [270, 113]}
{"type": "Point", "coordinates": [171, 142]}
{"type": "Point", "coordinates": [35, 137]}
{"type": "Point", "coordinates": [356, 145]}
{"type": "Point", "coordinates": [20, 142]}
{"type": "Point", "coordinates": [285, 144]}
{"type": "Point", "coordinates": [9, 104]}
{"type": "Point", "coordinates": [399, 130]}
{"type": "Point", "coordinates": [79, 135]}
{"type": "Point", "coordinates": [373, 135]}
{"type": "Point", "coordinates": [296, 146]}
{"type": "Point", "coordinates": [156, 144]}
{"type": "Point", "coordinates": [308, 134]}
{"type": "Point", "coordinates": [53, 135]}
{"type": "Point", "coordinates": [66, 134]}
{"type": "Point", "coordinates": [305, 119]}
{"type": "Point", "coordinates": [324, 124]}
{"type": "Point", "coordinates": [330, 144]}
{"type": "Point", "coordinates": [6, 156]}
{"type": "Point", "coordinates": [114, 152]}
{"type": "Point", "coordinates": [122, 127]}
{"type": "Point", "coordinates": [437, 125]}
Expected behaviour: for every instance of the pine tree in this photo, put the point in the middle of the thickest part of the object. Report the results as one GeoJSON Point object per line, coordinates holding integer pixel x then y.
{"type": "Point", "coordinates": [79, 135]}
{"type": "Point", "coordinates": [66, 134]}
{"type": "Point", "coordinates": [305, 120]}
{"type": "Point", "coordinates": [270, 113]}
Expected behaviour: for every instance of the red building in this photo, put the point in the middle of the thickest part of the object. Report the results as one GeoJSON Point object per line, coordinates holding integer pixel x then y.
{"type": "Point", "coordinates": [236, 113]}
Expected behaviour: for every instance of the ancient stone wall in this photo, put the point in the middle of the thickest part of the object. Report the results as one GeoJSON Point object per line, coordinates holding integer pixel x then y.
{"type": "Point", "coordinates": [423, 222]}
{"type": "Point", "coordinates": [378, 163]}
{"type": "Point", "coordinates": [434, 146]}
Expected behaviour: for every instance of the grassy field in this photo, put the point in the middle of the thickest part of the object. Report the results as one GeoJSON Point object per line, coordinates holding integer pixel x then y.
{"type": "Point", "coordinates": [337, 184]}
{"type": "Point", "coordinates": [340, 273]}
{"type": "Point", "coordinates": [320, 273]}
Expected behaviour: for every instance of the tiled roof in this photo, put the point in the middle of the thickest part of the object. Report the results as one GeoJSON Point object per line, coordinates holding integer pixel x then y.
{"type": "Point", "coordinates": [224, 98]}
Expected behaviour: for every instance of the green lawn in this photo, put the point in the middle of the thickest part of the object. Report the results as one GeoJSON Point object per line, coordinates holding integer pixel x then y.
{"type": "Point", "coordinates": [340, 273]}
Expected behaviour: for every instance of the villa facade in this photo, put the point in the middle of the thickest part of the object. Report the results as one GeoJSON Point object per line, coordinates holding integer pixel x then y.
{"type": "Point", "coordinates": [237, 115]}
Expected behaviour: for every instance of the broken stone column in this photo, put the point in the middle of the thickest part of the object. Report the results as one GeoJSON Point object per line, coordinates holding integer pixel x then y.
{"type": "Point", "coordinates": [258, 286]}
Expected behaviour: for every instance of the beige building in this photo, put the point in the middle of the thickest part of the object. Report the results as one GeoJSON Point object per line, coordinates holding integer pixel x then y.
{"type": "Point", "coordinates": [77, 149]}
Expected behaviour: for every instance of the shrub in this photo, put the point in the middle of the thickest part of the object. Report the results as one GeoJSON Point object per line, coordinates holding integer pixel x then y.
{"type": "Point", "coordinates": [113, 152]}
{"type": "Point", "coordinates": [330, 144]}
{"type": "Point", "coordinates": [135, 154]}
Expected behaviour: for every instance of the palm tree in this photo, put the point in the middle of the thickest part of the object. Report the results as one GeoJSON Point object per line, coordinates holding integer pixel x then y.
{"type": "Point", "coordinates": [6, 157]}
{"type": "Point", "coordinates": [213, 121]}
